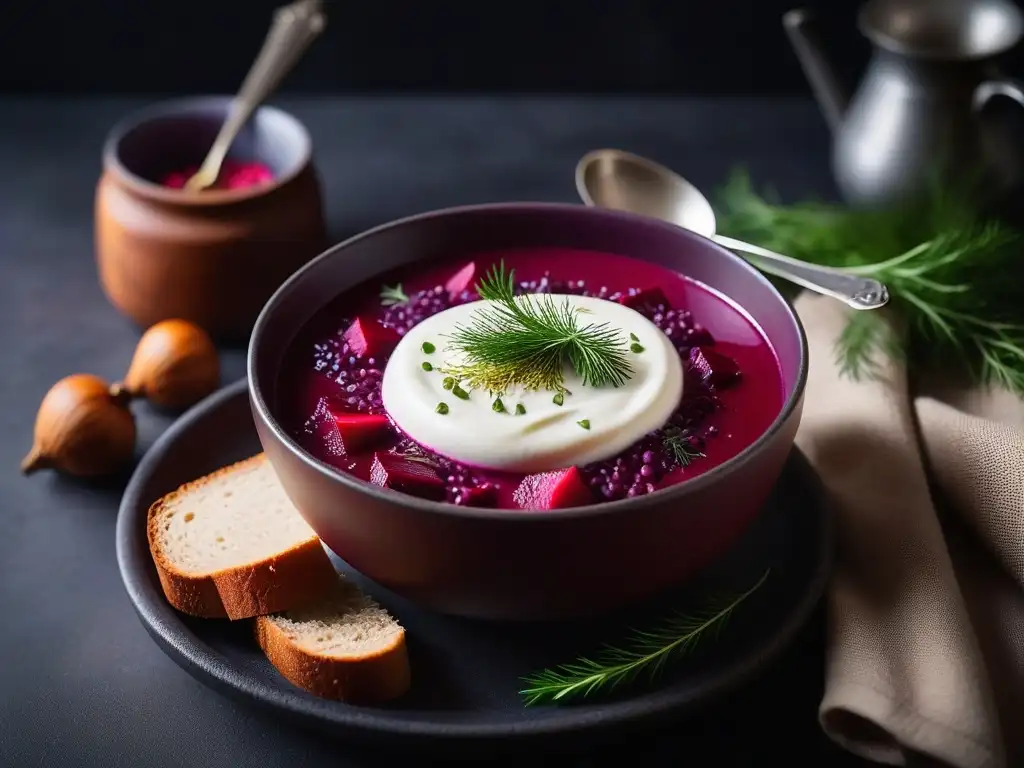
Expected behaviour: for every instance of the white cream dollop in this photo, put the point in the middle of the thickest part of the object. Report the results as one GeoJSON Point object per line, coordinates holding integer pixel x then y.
{"type": "Point", "coordinates": [547, 436]}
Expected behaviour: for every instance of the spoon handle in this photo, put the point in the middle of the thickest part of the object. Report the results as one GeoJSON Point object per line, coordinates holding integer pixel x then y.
{"type": "Point", "coordinates": [294, 28]}
{"type": "Point", "coordinates": [858, 292]}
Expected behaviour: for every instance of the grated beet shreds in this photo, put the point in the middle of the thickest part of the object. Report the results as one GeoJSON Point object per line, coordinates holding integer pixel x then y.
{"type": "Point", "coordinates": [233, 175]}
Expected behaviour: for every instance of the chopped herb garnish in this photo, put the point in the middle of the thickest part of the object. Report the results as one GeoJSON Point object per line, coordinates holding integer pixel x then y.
{"type": "Point", "coordinates": [634, 337]}
{"type": "Point", "coordinates": [634, 347]}
{"type": "Point", "coordinates": [585, 423]}
{"type": "Point", "coordinates": [520, 409]}
{"type": "Point", "coordinates": [680, 447]}
{"type": "Point", "coordinates": [429, 348]}
{"type": "Point", "coordinates": [558, 399]}
{"type": "Point", "coordinates": [427, 366]}
{"type": "Point", "coordinates": [497, 406]}
{"type": "Point", "coordinates": [389, 296]}
{"type": "Point", "coordinates": [448, 382]}
{"type": "Point", "coordinates": [442, 408]}
{"type": "Point", "coordinates": [459, 392]}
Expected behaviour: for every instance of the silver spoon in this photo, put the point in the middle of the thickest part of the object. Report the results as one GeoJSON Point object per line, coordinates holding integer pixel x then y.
{"type": "Point", "coordinates": [294, 28]}
{"type": "Point", "coordinates": [610, 178]}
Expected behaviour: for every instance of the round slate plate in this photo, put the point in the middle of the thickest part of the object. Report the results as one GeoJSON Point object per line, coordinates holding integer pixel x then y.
{"type": "Point", "coordinates": [466, 674]}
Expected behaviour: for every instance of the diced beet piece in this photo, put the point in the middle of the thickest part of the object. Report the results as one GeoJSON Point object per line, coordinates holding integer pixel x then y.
{"type": "Point", "coordinates": [648, 297]}
{"type": "Point", "coordinates": [321, 432]}
{"type": "Point", "coordinates": [359, 430]}
{"type": "Point", "coordinates": [553, 490]}
{"type": "Point", "coordinates": [713, 367]}
{"type": "Point", "coordinates": [461, 281]}
{"type": "Point", "coordinates": [368, 338]}
{"type": "Point", "coordinates": [416, 478]}
{"type": "Point", "coordinates": [485, 495]}
{"type": "Point", "coordinates": [694, 383]}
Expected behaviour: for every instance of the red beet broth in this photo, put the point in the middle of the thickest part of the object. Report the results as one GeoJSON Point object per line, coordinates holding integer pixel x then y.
{"type": "Point", "coordinates": [323, 378]}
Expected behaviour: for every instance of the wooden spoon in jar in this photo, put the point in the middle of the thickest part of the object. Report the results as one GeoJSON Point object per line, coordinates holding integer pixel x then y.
{"type": "Point", "coordinates": [294, 28]}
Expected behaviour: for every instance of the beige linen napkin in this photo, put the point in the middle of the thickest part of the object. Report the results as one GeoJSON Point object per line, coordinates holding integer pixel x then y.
{"type": "Point", "coordinates": [926, 605]}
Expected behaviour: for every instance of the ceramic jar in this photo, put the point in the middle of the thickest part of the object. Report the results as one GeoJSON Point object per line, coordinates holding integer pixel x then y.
{"type": "Point", "coordinates": [212, 257]}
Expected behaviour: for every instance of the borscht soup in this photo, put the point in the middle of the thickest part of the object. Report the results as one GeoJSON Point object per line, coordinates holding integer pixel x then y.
{"type": "Point", "coordinates": [529, 379]}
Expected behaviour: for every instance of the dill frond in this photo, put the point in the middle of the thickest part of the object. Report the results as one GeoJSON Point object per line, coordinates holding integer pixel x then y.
{"type": "Point", "coordinates": [950, 269]}
{"type": "Point", "coordinates": [679, 447]}
{"type": "Point", "coordinates": [645, 653]}
{"type": "Point", "coordinates": [527, 341]}
{"type": "Point", "coordinates": [392, 295]}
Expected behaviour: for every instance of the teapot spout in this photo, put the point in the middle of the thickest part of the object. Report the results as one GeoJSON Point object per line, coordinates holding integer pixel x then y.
{"type": "Point", "coordinates": [830, 94]}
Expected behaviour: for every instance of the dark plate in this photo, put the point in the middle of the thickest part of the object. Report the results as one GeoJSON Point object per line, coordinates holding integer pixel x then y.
{"type": "Point", "coordinates": [466, 673]}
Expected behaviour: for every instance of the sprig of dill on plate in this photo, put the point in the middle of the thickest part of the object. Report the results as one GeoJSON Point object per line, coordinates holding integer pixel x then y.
{"type": "Point", "coordinates": [527, 341]}
{"type": "Point", "coordinates": [951, 271]}
{"type": "Point", "coordinates": [644, 652]}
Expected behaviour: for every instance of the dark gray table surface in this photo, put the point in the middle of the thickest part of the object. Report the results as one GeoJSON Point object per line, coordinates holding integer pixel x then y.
{"type": "Point", "coordinates": [81, 683]}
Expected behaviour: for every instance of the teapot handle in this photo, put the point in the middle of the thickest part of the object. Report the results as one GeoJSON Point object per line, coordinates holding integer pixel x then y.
{"type": "Point", "coordinates": [1003, 86]}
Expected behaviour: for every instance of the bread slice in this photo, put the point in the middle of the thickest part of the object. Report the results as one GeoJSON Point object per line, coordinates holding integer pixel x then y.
{"type": "Point", "coordinates": [232, 545]}
{"type": "Point", "coordinates": [343, 647]}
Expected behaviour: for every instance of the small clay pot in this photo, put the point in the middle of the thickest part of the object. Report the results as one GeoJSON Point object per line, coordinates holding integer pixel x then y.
{"type": "Point", "coordinates": [211, 257]}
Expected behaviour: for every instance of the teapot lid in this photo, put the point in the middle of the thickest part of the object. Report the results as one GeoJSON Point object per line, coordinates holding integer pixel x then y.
{"type": "Point", "coordinates": [952, 30]}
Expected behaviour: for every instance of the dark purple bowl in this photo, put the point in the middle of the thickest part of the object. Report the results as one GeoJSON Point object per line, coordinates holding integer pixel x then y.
{"type": "Point", "coordinates": [500, 564]}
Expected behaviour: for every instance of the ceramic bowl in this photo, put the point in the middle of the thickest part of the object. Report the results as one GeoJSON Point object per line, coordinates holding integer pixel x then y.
{"type": "Point", "coordinates": [502, 564]}
{"type": "Point", "coordinates": [213, 257]}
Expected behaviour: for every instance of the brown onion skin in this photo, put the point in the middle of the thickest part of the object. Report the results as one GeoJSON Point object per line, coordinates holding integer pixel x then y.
{"type": "Point", "coordinates": [175, 365]}
{"type": "Point", "coordinates": [81, 429]}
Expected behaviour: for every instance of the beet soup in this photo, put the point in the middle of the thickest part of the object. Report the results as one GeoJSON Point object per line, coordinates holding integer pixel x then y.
{"type": "Point", "coordinates": [714, 392]}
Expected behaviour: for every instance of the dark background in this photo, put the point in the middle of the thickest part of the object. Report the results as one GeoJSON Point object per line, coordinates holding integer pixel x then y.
{"type": "Point", "coordinates": [685, 47]}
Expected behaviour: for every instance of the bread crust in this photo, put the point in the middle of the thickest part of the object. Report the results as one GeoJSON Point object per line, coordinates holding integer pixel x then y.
{"type": "Point", "coordinates": [285, 580]}
{"type": "Point", "coordinates": [375, 678]}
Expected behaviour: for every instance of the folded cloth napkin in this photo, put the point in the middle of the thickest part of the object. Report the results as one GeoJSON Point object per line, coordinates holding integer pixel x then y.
{"type": "Point", "coordinates": [926, 604]}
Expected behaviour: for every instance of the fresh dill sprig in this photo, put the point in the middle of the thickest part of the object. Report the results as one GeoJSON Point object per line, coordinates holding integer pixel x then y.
{"type": "Point", "coordinates": [646, 652]}
{"type": "Point", "coordinates": [679, 446]}
{"type": "Point", "coordinates": [950, 271]}
{"type": "Point", "coordinates": [527, 341]}
{"type": "Point", "coordinates": [856, 348]}
{"type": "Point", "coordinates": [392, 295]}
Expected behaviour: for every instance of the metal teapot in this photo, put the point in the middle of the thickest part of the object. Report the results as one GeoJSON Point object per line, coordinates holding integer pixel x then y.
{"type": "Point", "coordinates": [917, 115]}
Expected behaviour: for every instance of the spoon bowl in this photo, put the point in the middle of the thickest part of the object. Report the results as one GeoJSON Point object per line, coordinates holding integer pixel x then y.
{"type": "Point", "coordinates": [611, 178]}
